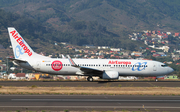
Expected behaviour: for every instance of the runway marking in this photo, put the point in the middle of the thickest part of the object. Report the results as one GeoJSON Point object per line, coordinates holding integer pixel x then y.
{"type": "Point", "coordinates": [151, 84]}
{"type": "Point", "coordinates": [105, 97]}
{"type": "Point", "coordinates": [92, 100]}
{"type": "Point", "coordinates": [160, 107]}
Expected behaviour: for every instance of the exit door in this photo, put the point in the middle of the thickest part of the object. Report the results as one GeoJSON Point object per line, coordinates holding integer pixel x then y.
{"type": "Point", "coordinates": [154, 67]}
{"type": "Point", "coordinates": [38, 64]}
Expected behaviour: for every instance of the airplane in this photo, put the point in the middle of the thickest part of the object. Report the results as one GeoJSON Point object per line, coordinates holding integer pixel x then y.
{"type": "Point", "coordinates": [103, 68]}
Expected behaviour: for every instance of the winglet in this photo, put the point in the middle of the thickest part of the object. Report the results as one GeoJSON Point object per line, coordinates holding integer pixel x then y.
{"type": "Point", "coordinates": [72, 62]}
{"type": "Point", "coordinates": [63, 56]}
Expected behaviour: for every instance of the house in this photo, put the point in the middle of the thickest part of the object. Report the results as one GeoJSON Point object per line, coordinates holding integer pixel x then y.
{"type": "Point", "coordinates": [103, 47]}
{"type": "Point", "coordinates": [86, 51]}
{"type": "Point", "coordinates": [90, 46]}
{"type": "Point", "coordinates": [115, 49]}
{"type": "Point", "coordinates": [12, 76]}
{"type": "Point", "coordinates": [112, 55]}
{"type": "Point", "coordinates": [125, 53]}
{"type": "Point", "coordinates": [176, 34]}
{"type": "Point", "coordinates": [100, 57]}
{"type": "Point", "coordinates": [64, 43]}
{"type": "Point", "coordinates": [20, 76]}
{"type": "Point", "coordinates": [154, 32]}
{"type": "Point", "coordinates": [136, 53]}
{"type": "Point", "coordinates": [169, 33]}
{"type": "Point", "coordinates": [148, 34]}
{"type": "Point", "coordinates": [153, 51]}
{"type": "Point", "coordinates": [156, 55]}
{"type": "Point", "coordinates": [93, 57]}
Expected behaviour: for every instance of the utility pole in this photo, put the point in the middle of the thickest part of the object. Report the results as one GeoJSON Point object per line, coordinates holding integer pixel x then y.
{"type": "Point", "coordinates": [1, 69]}
{"type": "Point", "coordinates": [7, 66]}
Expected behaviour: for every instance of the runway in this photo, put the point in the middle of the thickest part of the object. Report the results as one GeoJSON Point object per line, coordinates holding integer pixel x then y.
{"type": "Point", "coordinates": [92, 84]}
{"type": "Point", "coordinates": [89, 103]}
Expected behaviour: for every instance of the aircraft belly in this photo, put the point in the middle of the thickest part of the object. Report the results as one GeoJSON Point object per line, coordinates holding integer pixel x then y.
{"type": "Point", "coordinates": [130, 72]}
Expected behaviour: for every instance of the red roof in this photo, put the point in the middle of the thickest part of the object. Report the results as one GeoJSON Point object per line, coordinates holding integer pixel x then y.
{"type": "Point", "coordinates": [148, 34]}
{"type": "Point", "coordinates": [156, 55]}
{"type": "Point", "coordinates": [20, 75]}
{"type": "Point", "coordinates": [153, 51]}
{"type": "Point", "coordinates": [176, 34]}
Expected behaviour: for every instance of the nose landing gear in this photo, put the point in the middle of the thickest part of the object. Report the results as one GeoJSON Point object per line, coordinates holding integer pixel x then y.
{"type": "Point", "coordinates": [156, 80]}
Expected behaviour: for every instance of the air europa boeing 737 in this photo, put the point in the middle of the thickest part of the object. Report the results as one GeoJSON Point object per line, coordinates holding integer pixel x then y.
{"type": "Point", "coordinates": [103, 68]}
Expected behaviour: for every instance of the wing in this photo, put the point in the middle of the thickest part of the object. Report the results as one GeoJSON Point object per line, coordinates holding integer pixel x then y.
{"type": "Point", "coordinates": [91, 71]}
{"type": "Point", "coordinates": [86, 70]}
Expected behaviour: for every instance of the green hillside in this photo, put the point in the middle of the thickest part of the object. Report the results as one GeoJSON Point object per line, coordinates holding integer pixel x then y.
{"type": "Point", "coordinates": [80, 22]}
{"type": "Point", "coordinates": [116, 15]}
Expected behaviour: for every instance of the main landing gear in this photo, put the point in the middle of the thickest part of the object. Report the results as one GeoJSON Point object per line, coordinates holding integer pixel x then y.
{"type": "Point", "coordinates": [156, 79]}
{"type": "Point", "coordinates": [90, 79]}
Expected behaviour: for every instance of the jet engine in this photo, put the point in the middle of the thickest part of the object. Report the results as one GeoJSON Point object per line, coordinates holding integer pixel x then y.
{"type": "Point", "coordinates": [110, 75]}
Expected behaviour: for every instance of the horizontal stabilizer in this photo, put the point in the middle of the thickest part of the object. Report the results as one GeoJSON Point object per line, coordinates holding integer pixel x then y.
{"type": "Point", "coordinates": [18, 60]}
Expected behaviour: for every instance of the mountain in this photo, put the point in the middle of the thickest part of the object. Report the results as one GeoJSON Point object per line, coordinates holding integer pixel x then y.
{"type": "Point", "coordinates": [116, 15]}
{"type": "Point", "coordinates": [80, 22]}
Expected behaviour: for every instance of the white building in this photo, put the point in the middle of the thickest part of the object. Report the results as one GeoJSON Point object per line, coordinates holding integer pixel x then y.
{"type": "Point", "coordinates": [103, 47]}
{"type": "Point", "coordinates": [115, 49]}
{"type": "Point", "coordinates": [12, 76]}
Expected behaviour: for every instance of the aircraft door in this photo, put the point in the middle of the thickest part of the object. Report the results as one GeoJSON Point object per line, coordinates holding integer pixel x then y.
{"type": "Point", "coordinates": [154, 67]}
{"type": "Point", "coordinates": [112, 66]}
{"type": "Point", "coordinates": [38, 65]}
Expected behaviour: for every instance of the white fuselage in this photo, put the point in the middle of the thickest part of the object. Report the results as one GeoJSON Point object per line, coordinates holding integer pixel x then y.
{"type": "Point", "coordinates": [125, 67]}
{"type": "Point", "coordinates": [104, 68]}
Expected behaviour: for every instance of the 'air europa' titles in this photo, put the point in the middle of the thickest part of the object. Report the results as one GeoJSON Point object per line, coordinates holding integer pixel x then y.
{"type": "Point", "coordinates": [21, 43]}
{"type": "Point", "coordinates": [120, 62]}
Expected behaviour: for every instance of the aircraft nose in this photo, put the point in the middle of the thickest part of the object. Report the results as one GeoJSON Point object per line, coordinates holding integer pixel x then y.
{"type": "Point", "coordinates": [170, 70]}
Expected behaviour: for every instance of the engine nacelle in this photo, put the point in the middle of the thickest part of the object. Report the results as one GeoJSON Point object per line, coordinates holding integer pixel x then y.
{"type": "Point", "coordinates": [110, 75]}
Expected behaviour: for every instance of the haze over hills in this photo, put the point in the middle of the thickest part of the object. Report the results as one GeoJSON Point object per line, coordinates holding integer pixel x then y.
{"type": "Point", "coordinates": [96, 22]}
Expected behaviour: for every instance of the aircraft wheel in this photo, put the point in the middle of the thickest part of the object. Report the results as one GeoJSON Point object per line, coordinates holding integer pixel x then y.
{"type": "Point", "coordinates": [156, 79]}
{"type": "Point", "coordinates": [90, 79]}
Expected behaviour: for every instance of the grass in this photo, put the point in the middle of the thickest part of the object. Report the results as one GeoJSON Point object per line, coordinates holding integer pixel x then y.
{"type": "Point", "coordinates": [92, 90]}
{"type": "Point", "coordinates": [33, 86]}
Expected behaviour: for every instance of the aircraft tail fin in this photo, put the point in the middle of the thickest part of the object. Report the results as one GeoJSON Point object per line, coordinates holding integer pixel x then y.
{"type": "Point", "coordinates": [20, 48]}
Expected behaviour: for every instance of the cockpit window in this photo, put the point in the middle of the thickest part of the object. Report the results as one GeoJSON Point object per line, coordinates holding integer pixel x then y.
{"type": "Point", "coordinates": [164, 65]}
